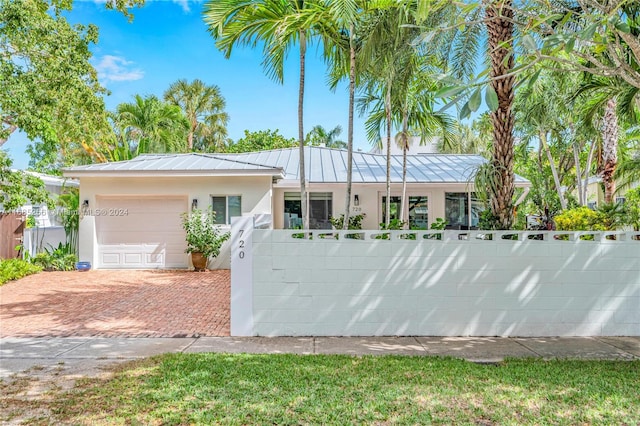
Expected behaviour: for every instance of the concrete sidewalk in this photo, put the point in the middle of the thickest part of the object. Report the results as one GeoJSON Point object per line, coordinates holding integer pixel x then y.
{"type": "Point", "coordinates": [87, 356]}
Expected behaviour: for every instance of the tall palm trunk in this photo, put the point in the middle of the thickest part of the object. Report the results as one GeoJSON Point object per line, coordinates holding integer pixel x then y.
{"type": "Point", "coordinates": [387, 112]}
{"type": "Point", "coordinates": [587, 170]}
{"type": "Point", "coordinates": [610, 149]}
{"type": "Point", "coordinates": [499, 21]}
{"type": "Point", "coordinates": [576, 160]}
{"type": "Point", "coordinates": [404, 141]}
{"type": "Point", "coordinates": [554, 170]}
{"type": "Point", "coordinates": [352, 91]}
{"type": "Point", "coordinates": [190, 138]}
{"type": "Point", "coordinates": [303, 187]}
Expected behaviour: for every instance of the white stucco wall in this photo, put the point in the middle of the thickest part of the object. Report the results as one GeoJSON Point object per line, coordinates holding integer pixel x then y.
{"type": "Point", "coordinates": [452, 287]}
{"type": "Point", "coordinates": [255, 192]}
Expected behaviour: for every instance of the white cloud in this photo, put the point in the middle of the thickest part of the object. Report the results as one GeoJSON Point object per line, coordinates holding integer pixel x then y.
{"type": "Point", "coordinates": [117, 68]}
{"type": "Point", "coordinates": [184, 4]}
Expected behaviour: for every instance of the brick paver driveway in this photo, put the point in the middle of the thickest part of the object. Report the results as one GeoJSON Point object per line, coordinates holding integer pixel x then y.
{"type": "Point", "coordinates": [117, 303]}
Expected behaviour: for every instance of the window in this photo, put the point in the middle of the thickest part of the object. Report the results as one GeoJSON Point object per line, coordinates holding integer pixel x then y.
{"type": "Point", "coordinates": [226, 207]}
{"type": "Point", "coordinates": [418, 210]}
{"type": "Point", "coordinates": [462, 210]}
{"type": "Point", "coordinates": [320, 210]}
{"type": "Point", "coordinates": [394, 208]}
{"type": "Point", "coordinates": [620, 200]}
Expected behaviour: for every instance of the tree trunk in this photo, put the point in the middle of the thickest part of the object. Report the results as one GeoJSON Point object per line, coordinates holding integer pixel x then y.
{"type": "Point", "coordinates": [387, 112]}
{"type": "Point", "coordinates": [499, 21]}
{"type": "Point", "coordinates": [352, 91]}
{"type": "Point", "coordinates": [587, 170]}
{"type": "Point", "coordinates": [554, 171]}
{"type": "Point", "coordinates": [610, 149]}
{"type": "Point", "coordinates": [190, 141]}
{"type": "Point", "coordinates": [12, 128]}
{"type": "Point", "coordinates": [404, 140]}
{"type": "Point", "coordinates": [576, 160]}
{"type": "Point", "coordinates": [304, 204]}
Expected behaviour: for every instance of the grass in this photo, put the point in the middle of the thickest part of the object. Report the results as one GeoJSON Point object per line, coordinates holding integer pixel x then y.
{"type": "Point", "coordinates": [336, 389]}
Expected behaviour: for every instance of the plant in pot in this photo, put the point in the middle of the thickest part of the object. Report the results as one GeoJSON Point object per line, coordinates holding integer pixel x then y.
{"type": "Point", "coordinates": [204, 238]}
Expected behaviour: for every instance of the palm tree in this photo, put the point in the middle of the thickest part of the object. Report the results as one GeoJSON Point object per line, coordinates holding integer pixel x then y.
{"type": "Point", "coordinates": [412, 111]}
{"type": "Point", "coordinates": [400, 89]}
{"type": "Point", "coordinates": [474, 138]}
{"type": "Point", "coordinates": [610, 130]}
{"type": "Point", "coordinates": [459, 46]}
{"type": "Point", "coordinates": [152, 125]}
{"type": "Point", "coordinates": [278, 25]}
{"type": "Point", "coordinates": [340, 23]}
{"type": "Point", "coordinates": [500, 26]}
{"type": "Point", "coordinates": [321, 136]}
{"type": "Point", "coordinates": [203, 105]}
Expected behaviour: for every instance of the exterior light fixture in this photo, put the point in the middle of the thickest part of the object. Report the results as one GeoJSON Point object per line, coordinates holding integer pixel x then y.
{"type": "Point", "coordinates": [85, 204]}
{"type": "Point", "coordinates": [194, 204]}
{"type": "Point", "coordinates": [356, 200]}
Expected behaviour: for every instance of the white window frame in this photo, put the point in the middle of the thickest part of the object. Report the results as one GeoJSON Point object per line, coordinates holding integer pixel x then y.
{"type": "Point", "coordinates": [226, 205]}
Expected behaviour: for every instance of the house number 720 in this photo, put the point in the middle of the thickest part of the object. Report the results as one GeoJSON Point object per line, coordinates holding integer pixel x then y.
{"type": "Point", "coordinates": [241, 245]}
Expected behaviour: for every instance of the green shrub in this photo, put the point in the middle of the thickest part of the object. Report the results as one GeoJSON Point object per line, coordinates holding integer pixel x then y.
{"type": "Point", "coordinates": [580, 219]}
{"type": "Point", "coordinates": [355, 222]}
{"type": "Point", "coordinates": [632, 209]}
{"type": "Point", "coordinates": [61, 258]}
{"type": "Point", "coordinates": [203, 235]}
{"type": "Point", "coordinates": [439, 224]}
{"type": "Point", "coordinates": [13, 269]}
{"type": "Point", "coordinates": [607, 218]}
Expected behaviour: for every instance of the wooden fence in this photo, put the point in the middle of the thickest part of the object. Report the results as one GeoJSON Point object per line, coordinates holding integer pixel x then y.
{"type": "Point", "coordinates": [11, 229]}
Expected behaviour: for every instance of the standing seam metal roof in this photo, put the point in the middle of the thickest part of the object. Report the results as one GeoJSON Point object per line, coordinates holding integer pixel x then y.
{"type": "Point", "coordinates": [192, 162]}
{"type": "Point", "coordinates": [322, 165]}
{"type": "Point", "coordinates": [327, 165]}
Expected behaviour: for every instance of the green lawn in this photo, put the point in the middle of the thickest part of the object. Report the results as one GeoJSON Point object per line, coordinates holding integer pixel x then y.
{"type": "Point", "coordinates": [289, 389]}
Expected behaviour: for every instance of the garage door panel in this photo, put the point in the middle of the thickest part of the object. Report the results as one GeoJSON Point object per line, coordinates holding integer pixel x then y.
{"type": "Point", "coordinates": [140, 237]}
{"type": "Point", "coordinates": [134, 259]}
{"type": "Point", "coordinates": [110, 259]}
{"type": "Point", "coordinates": [148, 224]}
{"type": "Point", "coordinates": [155, 259]}
{"type": "Point", "coordinates": [146, 232]}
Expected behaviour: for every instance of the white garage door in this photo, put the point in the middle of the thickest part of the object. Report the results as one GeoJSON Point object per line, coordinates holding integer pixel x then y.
{"type": "Point", "coordinates": [140, 232]}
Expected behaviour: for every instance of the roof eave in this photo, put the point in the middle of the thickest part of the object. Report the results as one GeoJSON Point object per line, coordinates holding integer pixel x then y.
{"type": "Point", "coordinates": [278, 173]}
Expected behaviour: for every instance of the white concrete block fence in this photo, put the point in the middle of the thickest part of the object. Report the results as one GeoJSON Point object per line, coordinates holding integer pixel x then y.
{"type": "Point", "coordinates": [463, 284]}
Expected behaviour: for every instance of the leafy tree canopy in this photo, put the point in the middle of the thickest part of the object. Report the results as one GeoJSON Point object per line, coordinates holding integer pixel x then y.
{"type": "Point", "coordinates": [261, 140]}
{"type": "Point", "coordinates": [49, 89]}
{"type": "Point", "coordinates": [18, 188]}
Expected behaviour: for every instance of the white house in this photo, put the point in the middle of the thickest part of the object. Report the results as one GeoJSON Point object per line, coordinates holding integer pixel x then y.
{"type": "Point", "coordinates": [47, 229]}
{"type": "Point", "coordinates": [131, 209]}
{"type": "Point", "coordinates": [54, 185]}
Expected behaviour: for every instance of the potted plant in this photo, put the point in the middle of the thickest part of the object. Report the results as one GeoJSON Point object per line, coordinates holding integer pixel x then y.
{"type": "Point", "coordinates": [204, 238]}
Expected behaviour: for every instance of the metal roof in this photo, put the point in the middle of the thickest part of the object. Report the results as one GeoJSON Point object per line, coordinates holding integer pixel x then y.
{"type": "Point", "coordinates": [322, 165]}
{"type": "Point", "coordinates": [326, 165]}
{"type": "Point", "coordinates": [192, 163]}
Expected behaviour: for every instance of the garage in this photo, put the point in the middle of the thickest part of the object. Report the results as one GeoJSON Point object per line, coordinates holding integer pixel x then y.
{"type": "Point", "coordinates": [136, 232]}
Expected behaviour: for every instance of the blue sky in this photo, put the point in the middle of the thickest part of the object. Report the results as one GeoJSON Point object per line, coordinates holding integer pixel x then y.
{"type": "Point", "coordinates": [167, 40]}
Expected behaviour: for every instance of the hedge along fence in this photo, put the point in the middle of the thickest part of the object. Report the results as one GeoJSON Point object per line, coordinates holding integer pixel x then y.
{"type": "Point", "coordinates": [441, 283]}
